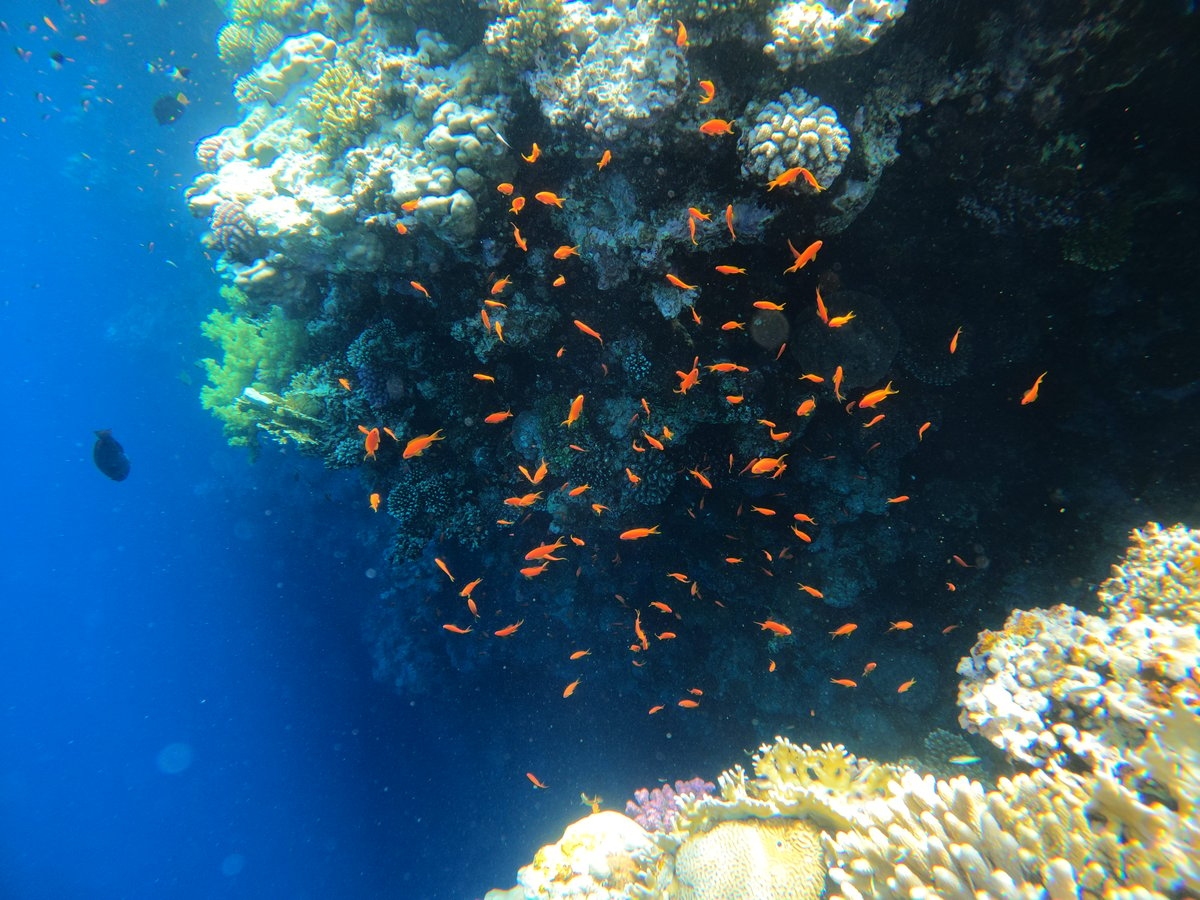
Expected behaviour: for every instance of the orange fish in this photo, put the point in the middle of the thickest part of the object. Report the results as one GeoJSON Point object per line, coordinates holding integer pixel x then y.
{"type": "Point", "coordinates": [472, 607]}
{"type": "Point", "coordinates": [811, 180]}
{"type": "Point", "coordinates": [785, 178]}
{"type": "Point", "coordinates": [875, 421]}
{"type": "Point", "coordinates": [729, 221]}
{"type": "Point", "coordinates": [374, 501]}
{"type": "Point", "coordinates": [692, 231]}
{"type": "Point", "coordinates": [822, 311]}
{"type": "Point", "coordinates": [418, 445]}
{"type": "Point", "coordinates": [564, 251]}
{"type": "Point", "coordinates": [533, 155]}
{"type": "Point", "coordinates": [680, 283]}
{"type": "Point", "coordinates": [761, 511]}
{"type": "Point", "coordinates": [456, 629]}
{"type": "Point", "coordinates": [580, 654]}
{"type": "Point", "coordinates": [495, 303]}
{"type": "Point", "coordinates": [900, 626]}
{"type": "Point", "coordinates": [680, 35]}
{"type": "Point", "coordinates": [545, 551]}
{"type": "Point", "coordinates": [811, 591]}
{"type": "Point", "coordinates": [875, 397]}
{"type": "Point", "coordinates": [634, 534]}
{"type": "Point", "coordinates": [371, 442]}
{"type": "Point", "coordinates": [441, 565]}
{"type": "Point", "coordinates": [904, 687]}
{"type": "Point", "coordinates": [1032, 394]}
{"type": "Point", "coordinates": [661, 607]}
{"type": "Point", "coordinates": [774, 627]}
{"type": "Point", "coordinates": [469, 588]}
{"type": "Point", "coordinates": [487, 322]}
{"type": "Point", "coordinates": [802, 535]}
{"type": "Point", "coordinates": [505, 188]}
{"type": "Point", "coordinates": [344, 383]}
{"type": "Point", "coordinates": [716, 126]}
{"type": "Point", "coordinates": [734, 399]}
{"type": "Point", "coordinates": [708, 90]}
{"type": "Point", "coordinates": [589, 331]}
{"type": "Point", "coordinates": [770, 665]}
{"type": "Point", "coordinates": [637, 629]}
{"type": "Point", "coordinates": [726, 367]}
{"type": "Point", "coordinates": [766, 464]}
{"type": "Point", "coordinates": [530, 775]}
{"type": "Point", "coordinates": [519, 240]}
{"type": "Point", "coordinates": [653, 441]}
{"type": "Point", "coordinates": [410, 205]}
{"type": "Point", "coordinates": [570, 688]}
{"type": "Point", "coordinates": [802, 259]}
{"type": "Point", "coordinates": [549, 198]}
{"type": "Point", "coordinates": [730, 270]}
{"type": "Point", "coordinates": [500, 285]}
{"type": "Point", "coordinates": [806, 407]}
{"type": "Point", "coordinates": [599, 508]}
{"type": "Point", "coordinates": [844, 682]}
{"type": "Point", "coordinates": [767, 304]}
{"type": "Point", "coordinates": [732, 325]}
{"type": "Point", "coordinates": [509, 630]}
{"type": "Point", "coordinates": [868, 669]}
{"type": "Point", "coordinates": [534, 571]}
{"type": "Point", "coordinates": [678, 576]}
{"type": "Point", "coordinates": [962, 562]}
{"type": "Point", "coordinates": [903, 498]}
{"type": "Point", "coordinates": [954, 340]}
{"type": "Point", "coordinates": [700, 477]}
{"type": "Point", "coordinates": [921, 431]}
{"type": "Point", "coordinates": [949, 628]}
{"type": "Point", "coordinates": [697, 214]}
{"type": "Point", "coordinates": [688, 380]}
{"type": "Point", "coordinates": [950, 587]}
{"type": "Point", "coordinates": [526, 500]}
{"type": "Point", "coordinates": [688, 704]}
{"type": "Point", "coordinates": [420, 287]}
{"type": "Point", "coordinates": [839, 321]}
{"type": "Point", "coordinates": [576, 491]}
{"type": "Point", "coordinates": [559, 282]}
{"type": "Point", "coordinates": [500, 332]}
{"type": "Point", "coordinates": [844, 630]}
{"type": "Point", "coordinates": [838, 376]}
{"type": "Point", "coordinates": [498, 417]}
{"type": "Point", "coordinates": [518, 204]}
{"type": "Point", "coordinates": [574, 412]}
{"type": "Point", "coordinates": [605, 159]}
{"type": "Point", "coordinates": [479, 376]}
{"type": "Point", "coordinates": [652, 710]}
{"type": "Point", "coordinates": [537, 476]}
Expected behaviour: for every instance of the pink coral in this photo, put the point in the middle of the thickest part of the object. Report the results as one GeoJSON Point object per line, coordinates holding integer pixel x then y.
{"type": "Point", "coordinates": [657, 810]}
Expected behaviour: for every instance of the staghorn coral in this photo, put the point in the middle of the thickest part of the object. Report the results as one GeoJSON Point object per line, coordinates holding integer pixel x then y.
{"type": "Point", "coordinates": [343, 103]}
{"type": "Point", "coordinates": [804, 33]}
{"type": "Point", "coordinates": [793, 130]}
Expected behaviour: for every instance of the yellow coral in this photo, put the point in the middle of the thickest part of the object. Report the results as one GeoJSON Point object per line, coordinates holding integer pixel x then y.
{"type": "Point", "coordinates": [343, 104]}
{"type": "Point", "coordinates": [525, 27]}
{"type": "Point", "coordinates": [1160, 575]}
{"type": "Point", "coordinates": [754, 859]}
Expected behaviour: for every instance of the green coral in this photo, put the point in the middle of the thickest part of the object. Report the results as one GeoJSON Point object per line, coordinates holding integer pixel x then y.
{"type": "Point", "coordinates": [524, 28]}
{"type": "Point", "coordinates": [343, 104]}
{"type": "Point", "coordinates": [257, 354]}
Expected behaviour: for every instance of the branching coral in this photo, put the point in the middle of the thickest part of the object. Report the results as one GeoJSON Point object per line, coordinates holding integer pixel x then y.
{"type": "Point", "coordinates": [343, 104]}
{"type": "Point", "coordinates": [523, 29]}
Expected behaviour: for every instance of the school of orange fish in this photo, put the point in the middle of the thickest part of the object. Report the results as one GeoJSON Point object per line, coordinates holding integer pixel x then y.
{"type": "Point", "coordinates": [536, 560]}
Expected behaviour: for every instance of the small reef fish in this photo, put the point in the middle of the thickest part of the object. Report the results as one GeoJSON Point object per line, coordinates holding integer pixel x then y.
{"type": "Point", "coordinates": [580, 654]}
{"type": "Point", "coordinates": [688, 380]}
{"type": "Point", "coordinates": [1032, 394]}
{"type": "Point", "coordinates": [417, 286]}
{"type": "Point", "coordinates": [570, 688]}
{"type": "Point", "coordinates": [903, 498]}
{"type": "Point", "coordinates": [345, 383]}
{"type": "Point", "coordinates": [921, 431]}
{"type": "Point", "coordinates": [680, 283]}
{"type": "Point", "coordinates": [505, 188]}
{"type": "Point", "coordinates": [574, 412]}
{"type": "Point", "coordinates": [420, 444]}
{"type": "Point", "coordinates": [549, 198]}
{"type": "Point", "coordinates": [520, 241]}
{"type": "Point", "coordinates": [654, 709]}
{"type": "Point", "coordinates": [844, 682]}
{"type": "Point", "coordinates": [900, 626]}
{"type": "Point", "coordinates": [456, 630]}
{"type": "Point", "coordinates": [497, 417]}
{"type": "Point", "coordinates": [559, 282]}
{"type": "Point", "coordinates": [518, 204]}
{"type": "Point", "coordinates": [525, 500]}
{"type": "Point", "coordinates": [370, 442]}
{"type": "Point", "coordinates": [904, 687]}
{"type": "Point", "coordinates": [729, 221]}
{"type": "Point", "coordinates": [876, 397]}
{"type": "Point", "coordinates": [954, 340]}
{"type": "Point", "coordinates": [534, 571]}
{"type": "Point", "coordinates": [589, 331]}
{"type": "Point", "coordinates": [811, 591]}
{"type": "Point", "coordinates": [374, 501]}
{"type": "Point", "coordinates": [469, 588]}
{"type": "Point", "coordinates": [730, 270]}
{"type": "Point", "coordinates": [839, 321]}
{"type": "Point", "coordinates": [533, 778]}
{"type": "Point", "coordinates": [605, 159]}
{"type": "Point", "coordinates": [109, 456]}
{"type": "Point", "coordinates": [822, 310]}
{"type": "Point", "coordinates": [774, 627]}
{"type": "Point", "coordinates": [846, 629]}
{"type": "Point", "coordinates": [800, 259]}
{"type": "Point", "coordinates": [479, 376]}
{"type": "Point", "coordinates": [680, 35]}
{"type": "Point", "coordinates": [545, 551]}
{"type": "Point", "coordinates": [767, 304]}
{"type": "Point", "coordinates": [509, 630]}
{"type": "Point", "coordinates": [500, 284]}
{"type": "Point", "coordinates": [533, 155]}
{"type": "Point", "coordinates": [441, 565]}
{"type": "Point", "coordinates": [688, 704]}
{"type": "Point", "coordinates": [867, 669]}
{"type": "Point", "coordinates": [708, 90]}
{"type": "Point", "coordinates": [716, 126]}
{"type": "Point", "coordinates": [635, 534]}
{"type": "Point", "coordinates": [564, 251]}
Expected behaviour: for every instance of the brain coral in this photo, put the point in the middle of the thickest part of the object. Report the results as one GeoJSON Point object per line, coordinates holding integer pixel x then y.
{"type": "Point", "coordinates": [752, 859]}
{"type": "Point", "coordinates": [793, 130]}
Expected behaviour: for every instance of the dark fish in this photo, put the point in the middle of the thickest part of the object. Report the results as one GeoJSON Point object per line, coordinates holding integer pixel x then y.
{"type": "Point", "coordinates": [169, 108]}
{"type": "Point", "coordinates": [110, 457]}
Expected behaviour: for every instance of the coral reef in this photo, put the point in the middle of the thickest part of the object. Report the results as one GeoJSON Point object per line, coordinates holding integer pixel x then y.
{"type": "Point", "coordinates": [657, 809]}
{"type": "Point", "coordinates": [793, 130]}
{"type": "Point", "coordinates": [616, 71]}
{"type": "Point", "coordinates": [804, 33]}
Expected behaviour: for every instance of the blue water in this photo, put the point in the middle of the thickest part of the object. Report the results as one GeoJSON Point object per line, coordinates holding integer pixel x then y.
{"type": "Point", "coordinates": [188, 709]}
